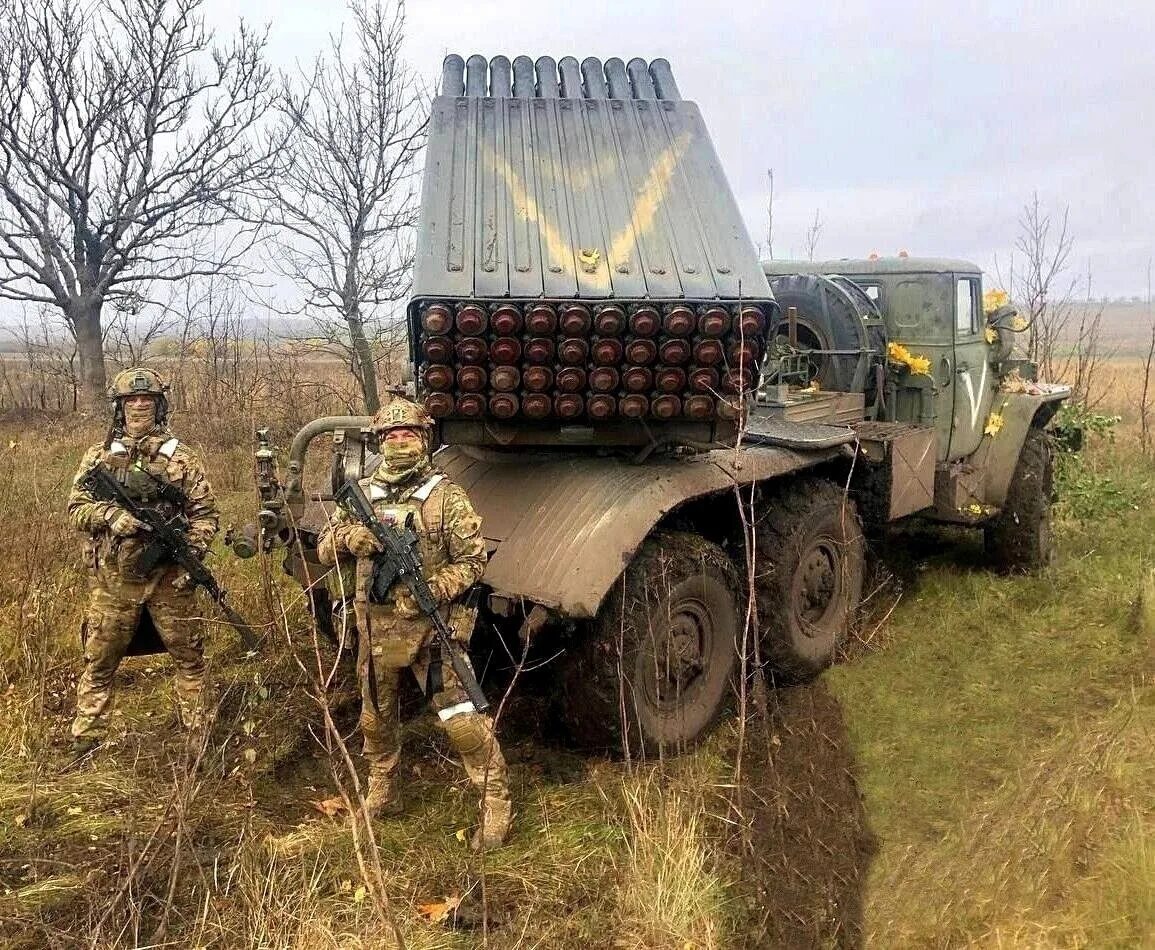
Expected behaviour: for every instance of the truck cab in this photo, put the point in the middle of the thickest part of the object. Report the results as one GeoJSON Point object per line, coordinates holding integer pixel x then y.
{"type": "Point", "coordinates": [951, 365]}
{"type": "Point", "coordinates": [933, 308]}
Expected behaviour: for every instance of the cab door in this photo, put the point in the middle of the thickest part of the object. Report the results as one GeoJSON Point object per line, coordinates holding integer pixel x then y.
{"type": "Point", "coordinates": [974, 380]}
{"type": "Point", "coordinates": [920, 317]}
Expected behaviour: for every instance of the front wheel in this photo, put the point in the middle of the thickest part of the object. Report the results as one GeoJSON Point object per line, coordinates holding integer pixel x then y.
{"type": "Point", "coordinates": [1020, 538]}
{"type": "Point", "coordinates": [656, 670]}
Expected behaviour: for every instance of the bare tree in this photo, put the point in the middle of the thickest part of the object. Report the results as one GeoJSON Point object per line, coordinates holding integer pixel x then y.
{"type": "Point", "coordinates": [126, 143]}
{"type": "Point", "coordinates": [770, 213]}
{"type": "Point", "coordinates": [1038, 284]}
{"type": "Point", "coordinates": [813, 233]}
{"type": "Point", "coordinates": [132, 327]}
{"type": "Point", "coordinates": [45, 375]}
{"type": "Point", "coordinates": [1084, 356]}
{"type": "Point", "coordinates": [347, 205]}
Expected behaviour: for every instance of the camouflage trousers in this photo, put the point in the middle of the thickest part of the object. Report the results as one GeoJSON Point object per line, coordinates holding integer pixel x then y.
{"type": "Point", "coordinates": [114, 610]}
{"type": "Point", "coordinates": [399, 644]}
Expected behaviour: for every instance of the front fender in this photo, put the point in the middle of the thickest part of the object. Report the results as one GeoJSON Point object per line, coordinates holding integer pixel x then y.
{"type": "Point", "coordinates": [561, 530]}
{"type": "Point", "coordinates": [998, 455]}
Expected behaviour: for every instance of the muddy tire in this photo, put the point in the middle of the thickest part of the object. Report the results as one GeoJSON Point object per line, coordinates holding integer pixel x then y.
{"type": "Point", "coordinates": [808, 577]}
{"type": "Point", "coordinates": [655, 670]}
{"type": "Point", "coordinates": [1020, 538]}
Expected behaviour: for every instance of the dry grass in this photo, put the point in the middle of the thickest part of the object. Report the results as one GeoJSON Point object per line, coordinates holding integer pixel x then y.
{"type": "Point", "coordinates": [999, 731]}
{"type": "Point", "coordinates": [1039, 859]}
{"type": "Point", "coordinates": [669, 890]}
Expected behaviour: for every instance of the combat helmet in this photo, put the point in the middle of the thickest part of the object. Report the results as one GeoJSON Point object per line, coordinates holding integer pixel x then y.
{"type": "Point", "coordinates": [401, 414]}
{"type": "Point", "coordinates": [138, 381]}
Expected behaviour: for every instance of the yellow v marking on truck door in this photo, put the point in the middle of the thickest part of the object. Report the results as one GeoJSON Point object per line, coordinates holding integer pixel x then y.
{"type": "Point", "coordinates": [648, 199]}
{"type": "Point", "coordinates": [975, 400]}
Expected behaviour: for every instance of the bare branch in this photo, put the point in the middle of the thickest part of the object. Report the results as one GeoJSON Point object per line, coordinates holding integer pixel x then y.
{"type": "Point", "coordinates": [127, 133]}
{"type": "Point", "coordinates": [346, 204]}
{"type": "Point", "coordinates": [813, 233]}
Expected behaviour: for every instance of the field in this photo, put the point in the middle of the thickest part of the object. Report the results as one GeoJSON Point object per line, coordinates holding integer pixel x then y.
{"type": "Point", "coordinates": [977, 772]}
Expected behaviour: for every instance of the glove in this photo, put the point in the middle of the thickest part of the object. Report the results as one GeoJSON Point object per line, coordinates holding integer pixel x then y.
{"type": "Point", "coordinates": [437, 589]}
{"type": "Point", "coordinates": [360, 542]}
{"type": "Point", "coordinates": [124, 525]}
{"type": "Point", "coordinates": [405, 606]}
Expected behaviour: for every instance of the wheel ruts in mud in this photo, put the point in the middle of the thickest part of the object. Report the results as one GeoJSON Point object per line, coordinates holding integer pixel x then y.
{"type": "Point", "coordinates": [1020, 537]}
{"type": "Point", "coordinates": [655, 669]}
{"type": "Point", "coordinates": [808, 563]}
{"type": "Point", "coordinates": [831, 317]}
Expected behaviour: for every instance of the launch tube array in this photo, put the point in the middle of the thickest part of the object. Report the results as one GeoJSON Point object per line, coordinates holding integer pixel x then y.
{"type": "Point", "coordinates": [570, 361]}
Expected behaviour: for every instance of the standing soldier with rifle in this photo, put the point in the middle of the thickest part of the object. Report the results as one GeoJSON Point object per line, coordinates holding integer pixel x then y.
{"type": "Point", "coordinates": [428, 511]}
{"type": "Point", "coordinates": [139, 589]}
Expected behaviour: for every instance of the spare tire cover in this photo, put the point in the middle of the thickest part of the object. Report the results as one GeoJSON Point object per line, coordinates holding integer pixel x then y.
{"type": "Point", "coordinates": [829, 318]}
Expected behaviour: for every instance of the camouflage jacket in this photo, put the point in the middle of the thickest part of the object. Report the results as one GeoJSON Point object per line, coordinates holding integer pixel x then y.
{"type": "Point", "coordinates": [449, 539]}
{"type": "Point", "coordinates": [160, 455]}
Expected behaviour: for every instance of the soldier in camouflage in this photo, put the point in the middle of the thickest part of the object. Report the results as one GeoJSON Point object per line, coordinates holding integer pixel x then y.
{"type": "Point", "coordinates": [122, 604]}
{"type": "Point", "coordinates": [396, 635]}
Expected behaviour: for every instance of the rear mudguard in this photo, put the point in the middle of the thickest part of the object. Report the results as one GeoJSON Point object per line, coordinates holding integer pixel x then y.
{"type": "Point", "coordinates": [561, 530]}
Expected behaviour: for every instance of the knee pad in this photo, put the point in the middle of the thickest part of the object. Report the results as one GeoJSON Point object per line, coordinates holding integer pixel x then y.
{"type": "Point", "coordinates": [469, 733]}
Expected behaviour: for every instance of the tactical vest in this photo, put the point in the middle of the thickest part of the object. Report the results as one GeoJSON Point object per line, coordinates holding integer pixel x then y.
{"type": "Point", "coordinates": [420, 507]}
{"type": "Point", "coordinates": [138, 468]}
{"type": "Point", "coordinates": [396, 640]}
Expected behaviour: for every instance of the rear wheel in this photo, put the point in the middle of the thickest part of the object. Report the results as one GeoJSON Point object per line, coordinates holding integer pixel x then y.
{"type": "Point", "coordinates": [1020, 538]}
{"type": "Point", "coordinates": [655, 673]}
{"type": "Point", "coordinates": [808, 577]}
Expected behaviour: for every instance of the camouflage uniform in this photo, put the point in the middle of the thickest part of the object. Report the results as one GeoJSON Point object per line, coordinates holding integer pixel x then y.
{"type": "Point", "coordinates": [452, 553]}
{"type": "Point", "coordinates": [118, 596]}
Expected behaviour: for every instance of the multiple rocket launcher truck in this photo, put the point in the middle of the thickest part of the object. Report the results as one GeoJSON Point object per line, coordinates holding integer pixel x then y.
{"type": "Point", "coordinates": [657, 429]}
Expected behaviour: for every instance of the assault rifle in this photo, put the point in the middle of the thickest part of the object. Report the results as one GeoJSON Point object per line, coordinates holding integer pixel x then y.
{"type": "Point", "coordinates": [398, 561]}
{"type": "Point", "coordinates": [168, 540]}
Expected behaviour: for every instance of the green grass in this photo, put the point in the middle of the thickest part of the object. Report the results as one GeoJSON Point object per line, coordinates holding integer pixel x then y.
{"type": "Point", "coordinates": [1005, 738]}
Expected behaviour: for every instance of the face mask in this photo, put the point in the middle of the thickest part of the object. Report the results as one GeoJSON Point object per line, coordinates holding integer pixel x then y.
{"type": "Point", "coordinates": [403, 457]}
{"type": "Point", "coordinates": [139, 420]}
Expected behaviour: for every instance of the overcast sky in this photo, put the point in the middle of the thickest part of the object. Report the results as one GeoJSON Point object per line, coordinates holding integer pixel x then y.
{"type": "Point", "coordinates": [922, 126]}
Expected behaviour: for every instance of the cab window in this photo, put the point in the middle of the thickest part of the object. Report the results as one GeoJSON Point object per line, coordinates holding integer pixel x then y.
{"type": "Point", "coordinates": [966, 308]}
{"type": "Point", "coordinates": [913, 306]}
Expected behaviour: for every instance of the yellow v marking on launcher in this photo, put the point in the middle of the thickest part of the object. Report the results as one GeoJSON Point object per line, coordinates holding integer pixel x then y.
{"type": "Point", "coordinates": [556, 245]}
{"type": "Point", "coordinates": [648, 200]}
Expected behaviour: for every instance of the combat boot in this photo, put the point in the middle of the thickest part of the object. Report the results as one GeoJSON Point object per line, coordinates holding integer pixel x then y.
{"type": "Point", "coordinates": [82, 746]}
{"type": "Point", "coordinates": [496, 818]}
{"type": "Point", "coordinates": [382, 801]}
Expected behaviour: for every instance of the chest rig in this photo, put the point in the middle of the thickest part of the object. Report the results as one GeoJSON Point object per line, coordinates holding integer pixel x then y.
{"type": "Point", "coordinates": [407, 507]}
{"type": "Point", "coordinates": [142, 467]}
{"type": "Point", "coordinates": [145, 468]}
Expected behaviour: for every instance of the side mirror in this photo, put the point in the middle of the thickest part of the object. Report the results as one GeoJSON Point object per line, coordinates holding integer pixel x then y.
{"type": "Point", "coordinates": [1007, 318]}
